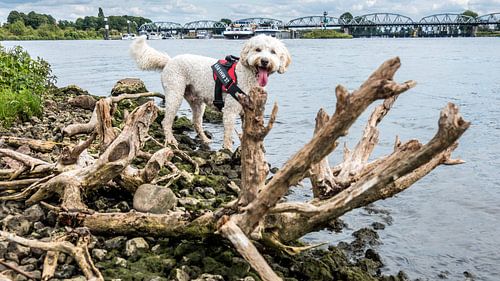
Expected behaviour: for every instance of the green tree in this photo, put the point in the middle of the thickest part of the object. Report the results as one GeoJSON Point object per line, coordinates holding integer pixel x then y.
{"type": "Point", "coordinates": [226, 21]}
{"type": "Point", "coordinates": [470, 13]}
{"type": "Point", "coordinates": [17, 28]}
{"type": "Point", "coordinates": [346, 17]}
{"type": "Point", "coordinates": [16, 16]}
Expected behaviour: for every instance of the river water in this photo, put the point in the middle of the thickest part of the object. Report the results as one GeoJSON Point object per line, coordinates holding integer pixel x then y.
{"type": "Point", "coordinates": [445, 224]}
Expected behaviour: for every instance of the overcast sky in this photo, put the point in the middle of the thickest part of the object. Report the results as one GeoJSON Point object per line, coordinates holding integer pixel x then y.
{"type": "Point", "coordinates": [189, 10]}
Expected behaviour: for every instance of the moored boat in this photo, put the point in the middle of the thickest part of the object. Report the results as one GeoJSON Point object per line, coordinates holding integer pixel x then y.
{"type": "Point", "coordinates": [239, 30]}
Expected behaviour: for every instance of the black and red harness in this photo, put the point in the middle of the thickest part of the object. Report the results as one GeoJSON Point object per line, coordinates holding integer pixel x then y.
{"type": "Point", "coordinates": [225, 80]}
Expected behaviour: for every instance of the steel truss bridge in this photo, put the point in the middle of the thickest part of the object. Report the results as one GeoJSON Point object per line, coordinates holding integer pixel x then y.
{"type": "Point", "coordinates": [389, 24]}
{"type": "Point", "coordinates": [375, 24]}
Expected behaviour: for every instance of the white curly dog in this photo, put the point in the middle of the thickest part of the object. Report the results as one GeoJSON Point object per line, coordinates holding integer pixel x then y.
{"type": "Point", "coordinates": [191, 77]}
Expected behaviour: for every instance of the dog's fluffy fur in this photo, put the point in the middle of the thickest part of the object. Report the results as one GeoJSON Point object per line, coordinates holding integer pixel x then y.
{"type": "Point", "coordinates": [190, 76]}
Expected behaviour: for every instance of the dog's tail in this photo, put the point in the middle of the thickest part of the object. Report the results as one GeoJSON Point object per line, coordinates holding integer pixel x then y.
{"type": "Point", "coordinates": [146, 57]}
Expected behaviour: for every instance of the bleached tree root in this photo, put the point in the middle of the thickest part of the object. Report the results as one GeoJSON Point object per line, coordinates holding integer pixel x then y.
{"type": "Point", "coordinates": [110, 164]}
{"type": "Point", "coordinates": [37, 145]}
{"type": "Point", "coordinates": [79, 252]}
{"type": "Point", "coordinates": [89, 127]}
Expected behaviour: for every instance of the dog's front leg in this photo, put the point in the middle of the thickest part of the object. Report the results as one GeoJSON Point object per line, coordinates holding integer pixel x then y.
{"type": "Point", "coordinates": [230, 113]}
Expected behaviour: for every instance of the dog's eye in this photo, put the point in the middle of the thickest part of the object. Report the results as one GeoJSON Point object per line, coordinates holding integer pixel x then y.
{"type": "Point", "coordinates": [273, 52]}
{"type": "Point", "coordinates": [258, 50]}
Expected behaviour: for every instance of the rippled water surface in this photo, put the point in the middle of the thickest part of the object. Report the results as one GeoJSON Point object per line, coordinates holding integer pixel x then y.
{"type": "Point", "coordinates": [448, 222]}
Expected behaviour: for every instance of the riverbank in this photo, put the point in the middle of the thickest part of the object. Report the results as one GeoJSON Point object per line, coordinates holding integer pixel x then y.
{"type": "Point", "coordinates": [150, 257]}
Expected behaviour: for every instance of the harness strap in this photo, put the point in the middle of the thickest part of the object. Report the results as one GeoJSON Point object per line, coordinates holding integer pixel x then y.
{"type": "Point", "coordinates": [224, 81]}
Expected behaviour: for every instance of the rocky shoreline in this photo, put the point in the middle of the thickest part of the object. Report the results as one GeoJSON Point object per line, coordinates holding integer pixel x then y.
{"type": "Point", "coordinates": [160, 258]}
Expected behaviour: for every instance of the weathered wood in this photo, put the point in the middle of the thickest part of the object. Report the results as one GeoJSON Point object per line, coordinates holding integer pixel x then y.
{"type": "Point", "coordinates": [410, 162]}
{"type": "Point", "coordinates": [246, 249]}
{"type": "Point", "coordinates": [37, 145]}
{"type": "Point", "coordinates": [79, 252]}
{"type": "Point", "coordinates": [86, 128]}
{"type": "Point", "coordinates": [349, 106]}
{"type": "Point", "coordinates": [254, 168]}
{"type": "Point", "coordinates": [110, 164]}
{"type": "Point", "coordinates": [173, 223]}
{"type": "Point", "coordinates": [355, 161]}
{"type": "Point", "coordinates": [322, 179]}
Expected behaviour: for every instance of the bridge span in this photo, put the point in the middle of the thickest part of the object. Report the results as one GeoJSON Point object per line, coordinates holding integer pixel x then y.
{"type": "Point", "coordinates": [373, 24]}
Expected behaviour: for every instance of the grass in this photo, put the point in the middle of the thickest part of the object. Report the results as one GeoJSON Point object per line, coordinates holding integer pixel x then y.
{"type": "Point", "coordinates": [23, 81]}
{"type": "Point", "coordinates": [22, 105]}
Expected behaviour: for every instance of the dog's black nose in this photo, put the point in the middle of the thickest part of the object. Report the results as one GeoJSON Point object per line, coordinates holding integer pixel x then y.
{"type": "Point", "coordinates": [264, 62]}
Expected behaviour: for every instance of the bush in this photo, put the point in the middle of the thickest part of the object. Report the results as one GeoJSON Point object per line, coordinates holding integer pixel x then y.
{"type": "Point", "coordinates": [23, 81]}
{"type": "Point", "coordinates": [325, 34]}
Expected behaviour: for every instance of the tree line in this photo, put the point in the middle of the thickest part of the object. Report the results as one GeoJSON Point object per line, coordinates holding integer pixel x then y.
{"type": "Point", "coordinates": [34, 26]}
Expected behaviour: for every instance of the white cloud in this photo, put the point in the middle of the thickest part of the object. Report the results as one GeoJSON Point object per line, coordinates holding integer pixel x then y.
{"type": "Point", "coordinates": [188, 10]}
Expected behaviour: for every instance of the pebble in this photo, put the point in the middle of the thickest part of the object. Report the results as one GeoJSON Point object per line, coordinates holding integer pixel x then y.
{"type": "Point", "coordinates": [121, 262]}
{"type": "Point", "coordinates": [115, 242]}
{"type": "Point", "coordinates": [135, 245]}
{"type": "Point", "coordinates": [99, 254]}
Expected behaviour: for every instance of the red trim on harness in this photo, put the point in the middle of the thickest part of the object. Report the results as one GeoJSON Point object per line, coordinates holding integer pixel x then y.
{"type": "Point", "coordinates": [231, 71]}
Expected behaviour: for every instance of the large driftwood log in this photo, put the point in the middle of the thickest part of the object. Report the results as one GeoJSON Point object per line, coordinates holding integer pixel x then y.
{"type": "Point", "coordinates": [349, 107]}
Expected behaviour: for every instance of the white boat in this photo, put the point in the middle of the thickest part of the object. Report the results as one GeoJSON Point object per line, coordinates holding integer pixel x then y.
{"type": "Point", "coordinates": [202, 34]}
{"type": "Point", "coordinates": [154, 36]}
{"type": "Point", "coordinates": [128, 36]}
{"type": "Point", "coordinates": [267, 29]}
{"type": "Point", "coordinates": [239, 30]}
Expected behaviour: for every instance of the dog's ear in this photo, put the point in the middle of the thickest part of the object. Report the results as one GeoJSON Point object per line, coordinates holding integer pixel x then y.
{"type": "Point", "coordinates": [245, 52]}
{"type": "Point", "coordinates": [285, 59]}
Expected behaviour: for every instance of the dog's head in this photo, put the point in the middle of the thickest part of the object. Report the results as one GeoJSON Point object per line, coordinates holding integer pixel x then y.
{"type": "Point", "coordinates": [265, 55]}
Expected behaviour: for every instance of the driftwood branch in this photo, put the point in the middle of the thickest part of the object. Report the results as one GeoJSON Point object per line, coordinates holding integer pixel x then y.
{"type": "Point", "coordinates": [89, 127]}
{"type": "Point", "coordinates": [79, 252]}
{"type": "Point", "coordinates": [349, 106]}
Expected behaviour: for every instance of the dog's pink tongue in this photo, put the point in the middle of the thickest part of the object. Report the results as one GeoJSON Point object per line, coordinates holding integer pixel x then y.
{"type": "Point", "coordinates": [262, 77]}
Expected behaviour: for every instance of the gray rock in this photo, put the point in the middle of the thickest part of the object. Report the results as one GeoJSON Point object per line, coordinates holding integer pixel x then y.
{"type": "Point", "coordinates": [29, 260]}
{"type": "Point", "coordinates": [178, 275]}
{"type": "Point", "coordinates": [154, 199]}
{"type": "Point", "coordinates": [188, 201]}
{"type": "Point", "coordinates": [135, 245]}
{"type": "Point", "coordinates": [65, 271]}
{"type": "Point", "coordinates": [20, 251]}
{"type": "Point", "coordinates": [221, 157]}
{"type": "Point", "coordinates": [11, 257]}
{"type": "Point", "coordinates": [3, 247]}
{"type": "Point", "coordinates": [184, 192]}
{"type": "Point", "coordinates": [21, 277]}
{"type": "Point", "coordinates": [17, 224]}
{"type": "Point", "coordinates": [209, 277]}
{"type": "Point", "coordinates": [121, 262]}
{"type": "Point", "coordinates": [85, 102]}
{"type": "Point", "coordinates": [99, 254]}
{"type": "Point", "coordinates": [128, 86]}
{"type": "Point", "coordinates": [209, 190]}
{"type": "Point", "coordinates": [115, 242]}
{"type": "Point", "coordinates": [34, 213]}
